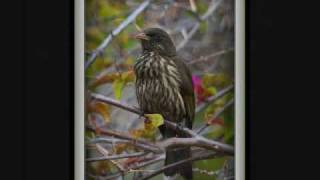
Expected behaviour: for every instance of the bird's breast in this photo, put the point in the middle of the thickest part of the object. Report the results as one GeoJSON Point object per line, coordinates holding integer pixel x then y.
{"type": "Point", "coordinates": [158, 86]}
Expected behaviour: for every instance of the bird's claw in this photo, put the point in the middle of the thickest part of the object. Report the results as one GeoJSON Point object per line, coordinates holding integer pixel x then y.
{"type": "Point", "coordinates": [179, 127]}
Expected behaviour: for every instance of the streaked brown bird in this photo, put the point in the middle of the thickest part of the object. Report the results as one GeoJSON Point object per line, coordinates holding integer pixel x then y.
{"type": "Point", "coordinates": [164, 86]}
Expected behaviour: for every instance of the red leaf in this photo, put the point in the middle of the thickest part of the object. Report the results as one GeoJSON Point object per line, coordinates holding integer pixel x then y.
{"type": "Point", "coordinates": [217, 121]}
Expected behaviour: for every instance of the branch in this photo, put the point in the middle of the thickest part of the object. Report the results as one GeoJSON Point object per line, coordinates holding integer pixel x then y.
{"type": "Point", "coordinates": [199, 142]}
{"type": "Point", "coordinates": [136, 167]}
{"type": "Point", "coordinates": [220, 147]}
{"type": "Point", "coordinates": [105, 152]}
{"type": "Point", "coordinates": [195, 158]}
{"type": "Point", "coordinates": [213, 6]}
{"type": "Point", "coordinates": [216, 114]}
{"type": "Point", "coordinates": [120, 156]}
{"type": "Point", "coordinates": [116, 31]}
{"type": "Point", "coordinates": [188, 36]}
{"type": "Point", "coordinates": [206, 172]}
{"type": "Point", "coordinates": [137, 111]}
{"type": "Point", "coordinates": [137, 142]}
{"type": "Point", "coordinates": [203, 59]}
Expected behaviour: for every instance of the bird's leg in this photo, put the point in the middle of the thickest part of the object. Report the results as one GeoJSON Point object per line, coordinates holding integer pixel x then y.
{"type": "Point", "coordinates": [141, 114]}
{"type": "Point", "coordinates": [179, 127]}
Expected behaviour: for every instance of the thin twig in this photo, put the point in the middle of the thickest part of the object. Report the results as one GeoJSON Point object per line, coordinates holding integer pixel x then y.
{"type": "Point", "coordinates": [213, 6]}
{"type": "Point", "coordinates": [204, 59]}
{"type": "Point", "coordinates": [206, 172]}
{"type": "Point", "coordinates": [136, 167]}
{"type": "Point", "coordinates": [216, 115]}
{"type": "Point", "coordinates": [193, 5]}
{"type": "Point", "coordinates": [105, 153]}
{"type": "Point", "coordinates": [116, 31]}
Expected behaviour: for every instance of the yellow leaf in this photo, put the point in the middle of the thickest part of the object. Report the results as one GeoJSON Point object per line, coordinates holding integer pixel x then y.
{"type": "Point", "coordinates": [119, 148]}
{"type": "Point", "coordinates": [217, 80]}
{"type": "Point", "coordinates": [153, 121]}
{"type": "Point", "coordinates": [106, 78]}
{"type": "Point", "coordinates": [102, 109]}
{"type": "Point", "coordinates": [128, 76]}
{"type": "Point", "coordinates": [151, 124]}
{"type": "Point", "coordinates": [137, 133]}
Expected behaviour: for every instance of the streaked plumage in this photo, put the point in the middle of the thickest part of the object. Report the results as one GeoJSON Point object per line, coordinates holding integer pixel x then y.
{"type": "Point", "coordinates": [164, 86]}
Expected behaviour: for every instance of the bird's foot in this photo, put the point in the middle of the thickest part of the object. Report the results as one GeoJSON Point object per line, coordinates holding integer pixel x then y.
{"type": "Point", "coordinates": [179, 127]}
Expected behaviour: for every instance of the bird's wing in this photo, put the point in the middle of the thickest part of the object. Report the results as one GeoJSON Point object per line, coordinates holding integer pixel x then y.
{"type": "Point", "coordinates": [186, 90]}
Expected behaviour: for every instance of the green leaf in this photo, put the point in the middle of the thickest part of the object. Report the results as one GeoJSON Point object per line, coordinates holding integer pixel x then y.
{"type": "Point", "coordinates": [212, 90]}
{"type": "Point", "coordinates": [216, 80]}
{"type": "Point", "coordinates": [229, 125]}
{"type": "Point", "coordinates": [203, 26]}
{"type": "Point", "coordinates": [117, 88]}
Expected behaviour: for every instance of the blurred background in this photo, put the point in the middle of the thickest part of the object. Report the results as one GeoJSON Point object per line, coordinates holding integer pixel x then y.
{"type": "Point", "coordinates": [203, 32]}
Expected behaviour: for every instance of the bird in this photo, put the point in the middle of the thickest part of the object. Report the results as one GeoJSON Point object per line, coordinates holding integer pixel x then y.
{"type": "Point", "coordinates": [164, 86]}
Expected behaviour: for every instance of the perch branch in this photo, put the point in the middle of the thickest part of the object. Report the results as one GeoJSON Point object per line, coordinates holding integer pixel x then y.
{"type": "Point", "coordinates": [116, 31]}
{"type": "Point", "coordinates": [217, 146]}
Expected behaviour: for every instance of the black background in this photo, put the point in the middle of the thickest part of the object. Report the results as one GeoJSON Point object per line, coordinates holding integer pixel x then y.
{"type": "Point", "coordinates": [282, 93]}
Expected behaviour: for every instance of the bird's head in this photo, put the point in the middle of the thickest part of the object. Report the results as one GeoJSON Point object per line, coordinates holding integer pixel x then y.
{"type": "Point", "coordinates": [157, 40]}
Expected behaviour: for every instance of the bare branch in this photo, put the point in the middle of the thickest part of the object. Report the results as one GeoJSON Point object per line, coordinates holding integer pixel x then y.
{"type": "Point", "coordinates": [116, 31]}
{"type": "Point", "coordinates": [188, 36]}
{"type": "Point", "coordinates": [213, 6]}
{"type": "Point", "coordinates": [217, 114]}
{"type": "Point", "coordinates": [137, 142]}
{"type": "Point", "coordinates": [218, 146]}
{"type": "Point", "coordinates": [105, 152]}
{"type": "Point", "coordinates": [199, 142]}
{"type": "Point", "coordinates": [116, 103]}
{"type": "Point", "coordinates": [204, 59]}
{"type": "Point", "coordinates": [193, 5]}
{"type": "Point", "coordinates": [194, 158]}
{"type": "Point", "coordinates": [206, 172]}
{"type": "Point", "coordinates": [158, 158]}
{"type": "Point", "coordinates": [137, 166]}
{"type": "Point", "coordinates": [120, 156]}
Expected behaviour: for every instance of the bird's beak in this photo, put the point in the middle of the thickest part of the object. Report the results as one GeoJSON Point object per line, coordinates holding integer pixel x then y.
{"type": "Point", "coordinates": [142, 36]}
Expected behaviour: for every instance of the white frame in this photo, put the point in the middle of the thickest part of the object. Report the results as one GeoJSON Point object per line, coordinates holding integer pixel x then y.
{"type": "Point", "coordinates": [79, 130]}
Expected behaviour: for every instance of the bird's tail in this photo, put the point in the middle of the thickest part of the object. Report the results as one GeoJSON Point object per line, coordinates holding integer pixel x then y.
{"type": "Point", "coordinates": [175, 155]}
